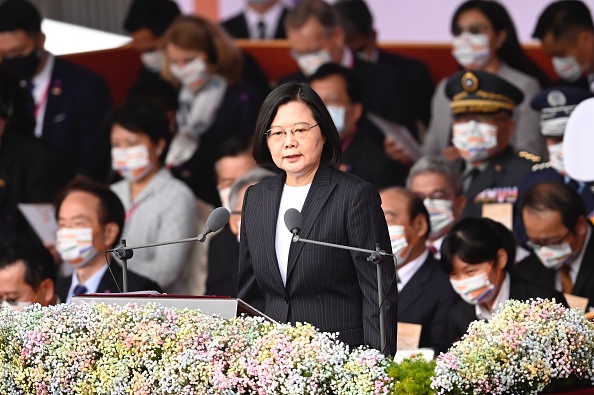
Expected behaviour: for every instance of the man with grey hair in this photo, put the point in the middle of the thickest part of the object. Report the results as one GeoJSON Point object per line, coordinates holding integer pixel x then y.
{"type": "Point", "coordinates": [435, 180]}
{"type": "Point", "coordinates": [223, 253]}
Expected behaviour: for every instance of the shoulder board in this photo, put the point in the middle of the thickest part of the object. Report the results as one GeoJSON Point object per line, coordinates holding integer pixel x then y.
{"type": "Point", "coordinates": [531, 157]}
{"type": "Point", "coordinates": [541, 166]}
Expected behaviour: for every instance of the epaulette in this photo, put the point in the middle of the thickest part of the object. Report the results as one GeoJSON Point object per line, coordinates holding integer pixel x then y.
{"type": "Point", "coordinates": [541, 166]}
{"type": "Point", "coordinates": [531, 157]}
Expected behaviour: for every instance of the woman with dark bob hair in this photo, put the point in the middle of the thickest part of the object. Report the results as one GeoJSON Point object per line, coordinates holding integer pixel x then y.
{"type": "Point", "coordinates": [479, 255]}
{"type": "Point", "coordinates": [333, 289]}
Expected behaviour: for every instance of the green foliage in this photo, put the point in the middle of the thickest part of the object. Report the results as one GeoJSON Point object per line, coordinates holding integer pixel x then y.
{"type": "Point", "coordinates": [412, 376]}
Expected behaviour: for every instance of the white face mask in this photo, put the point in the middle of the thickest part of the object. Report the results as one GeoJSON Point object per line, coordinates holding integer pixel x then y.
{"type": "Point", "coordinates": [193, 75]}
{"type": "Point", "coordinates": [338, 114]}
{"type": "Point", "coordinates": [476, 289]}
{"type": "Point", "coordinates": [399, 243]}
{"type": "Point", "coordinates": [440, 215]}
{"type": "Point", "coordinates": [556, 157]}
{"type": "Point", "coordinates": [471, 51]}
{"type": "Point", "coordinates": [311, 62]}
{"type": "Point", "coordinates": [75, 246]}
{"type": "Point", "coordinates": [152, 60]}
{"type": "Point", "coordinates": [224, 196]}
{"type": "Point", "coordinates": [474, 139]}
{"type": "Point", "coordinates": [567, 68]}
{"type": "Point", "coordinates": [554, 256]}
{"type": "Point", "coordinates": [17, 304]}
{"type": "Point", "coordinates": [132, 163]}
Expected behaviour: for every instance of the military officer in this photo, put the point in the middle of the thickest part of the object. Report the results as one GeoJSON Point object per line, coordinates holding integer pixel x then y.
{"type": "Point", "coordinates": [482, 105]}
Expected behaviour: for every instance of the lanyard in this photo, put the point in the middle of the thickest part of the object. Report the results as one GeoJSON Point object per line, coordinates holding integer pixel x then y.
{"type": "Point", "coordinates": [42, 100]}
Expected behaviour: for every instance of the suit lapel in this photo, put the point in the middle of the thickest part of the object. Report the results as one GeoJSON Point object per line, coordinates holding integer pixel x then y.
{"type": "Point", "coordinates": [491, 174]}
{"type": "Point", "coordinates": [55, 99]}
{"type": "Point", "coordinates": [320, 190]}
{"type": "Point", "coordinates": [586, 269]}
{"type": "Point", "coordinates": [412, 291]}
{"type": "Point", "coordinates": [107, 283]}
{"type": "Point", "coordinates": [272, 196]}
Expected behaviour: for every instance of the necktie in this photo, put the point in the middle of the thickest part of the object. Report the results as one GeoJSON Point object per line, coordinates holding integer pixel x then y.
{"type": "Point", "coordinates": [432, 249]}
{"type": "Point", "coordinates": [468, 176]}
{"type": "Point", "coordinates": [566, 283]}
{"type": "Point", "coordinates": [261, 30]}
{"type": "Point", "coordinates": [79, 290]}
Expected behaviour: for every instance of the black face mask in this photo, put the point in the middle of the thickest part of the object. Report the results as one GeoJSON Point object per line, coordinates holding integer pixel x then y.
{"type": "Point", "coordinates": [24, 67]}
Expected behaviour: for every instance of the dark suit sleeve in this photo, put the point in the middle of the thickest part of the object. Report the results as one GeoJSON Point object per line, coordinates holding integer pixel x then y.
{"type": "Point", "coordinates": [366, 226]}
{"type": "Point", "coordinates": [247, 287]}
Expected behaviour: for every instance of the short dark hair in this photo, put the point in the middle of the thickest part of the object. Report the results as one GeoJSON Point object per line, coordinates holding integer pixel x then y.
{"type": "Point", "coordinates": [19, 15]}
{"type": "Point", "coordinates": [415, 205]}
{"type": "Point", "coordinates": [234, 146]}
{"type": "Point", "coordinates": [142, 116]}
{"type": "Point", "coordinates": [39, 263]}
{"type": "Point", "coordinates": [110, 209]}
{"type": "Point", "coordinates": [355, 17]}
{"type": "Point", "coordinates": [323, 12]}
{"type": "Point", "coordinates": [303, 93]}
{"type": "Point", "coordinates": [477, 240]}
{"type": "Point", "coordinates": [155, 15]}
{"type": "Point", "coordinates": [555, 196]}
{"type": "Point", "coordinates": [157, 90]}
{"type": "Point", "coordinates": [562, 17]}
{"type": "Point", "coordinates": [353, 83]}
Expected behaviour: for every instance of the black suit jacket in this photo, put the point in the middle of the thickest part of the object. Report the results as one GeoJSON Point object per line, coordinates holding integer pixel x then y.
{"type": "Point", "coordinates": [223, 257]}
{"type": "Point", "coordinates": [237, 26]}
{"type": "Point", "coordinates": [388, 91]}
{"type": "Point", "coordinates": [333, 289]}
{"type": "Point", "coordinates": [462, 313]}
{"type": "Point", "coordinates": [506, 170]}
{"type": "Point", "coordinates": [78, 102]}
{"type": "Point", "coordinates": [136, 282]}
{"type": "Point", "coordinates": [532, 268]}
{"type": "Point", "coordinates": [426, 299]}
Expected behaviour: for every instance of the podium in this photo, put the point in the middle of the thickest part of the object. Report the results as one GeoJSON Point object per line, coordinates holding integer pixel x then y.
{"type": "Point", "coordinates": [224, 306]}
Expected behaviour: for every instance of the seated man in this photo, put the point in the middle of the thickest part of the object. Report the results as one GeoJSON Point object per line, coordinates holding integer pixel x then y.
{"type": "Point", "coordinates": [424, 292]}
{"type": "Point", "coordinates": [70, 101]}
{"type": "Point", "coordinates": [90, 220]}
{"type": "Point", "coordinates": [27, 274]}
{"type": "Point", "coordinates": [259, 20]}
{"type": "Point", "coordinates": [223, 252]}
{"type": "Point", "coordinates": [435, 180]}
{"type": "Point", "coordinates": [362, 151]}
{"type": "Point", "coordinates": [561, 238]}
{"type": "Point", "coordinates": [482, 105]}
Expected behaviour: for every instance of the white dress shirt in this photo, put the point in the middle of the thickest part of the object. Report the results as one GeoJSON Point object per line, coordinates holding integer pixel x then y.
{"type": "Point", "coordinates": [91, 284]}
{"type": "Point", "coordinates": [270, 18]}
{"type": "Point", "coordinates": [41, 92]}
{"type": "Point", "coordinates": [406, 272]}
{"type": "Point", "coordinates": [483, 313]}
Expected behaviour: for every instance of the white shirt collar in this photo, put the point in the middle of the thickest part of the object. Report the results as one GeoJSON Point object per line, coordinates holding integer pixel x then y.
{"type": "Point", "coordinates": [92, 282]}
{"type": "Point", "coordinates": [482, 313]}
{"type": "Point", "coordinates": [406, 272]}
{"type": "Point", "coordinates": [437, 244]}
{"type": "Point", "coordinates": [348, 59]}
{"type": "Point", "coordinates": [271, 19]}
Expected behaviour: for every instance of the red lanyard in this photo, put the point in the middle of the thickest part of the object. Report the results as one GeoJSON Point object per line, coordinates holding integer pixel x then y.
{"type": "Point", "coordinates": [42, 100]}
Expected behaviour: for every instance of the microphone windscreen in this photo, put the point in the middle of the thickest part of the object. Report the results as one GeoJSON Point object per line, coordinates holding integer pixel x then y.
{"type": "Point", "coordinates": [293, 220]}
{"type": "Point", "coordinates": [217, 219]}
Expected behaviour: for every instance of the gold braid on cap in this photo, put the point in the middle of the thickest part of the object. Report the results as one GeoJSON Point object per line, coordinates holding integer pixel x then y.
{"type": "Point", "coordinates": [483, 102]}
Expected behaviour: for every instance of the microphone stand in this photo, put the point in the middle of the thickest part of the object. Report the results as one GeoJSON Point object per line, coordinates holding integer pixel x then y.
{"type": "Point", "coordinates": [374, 256]}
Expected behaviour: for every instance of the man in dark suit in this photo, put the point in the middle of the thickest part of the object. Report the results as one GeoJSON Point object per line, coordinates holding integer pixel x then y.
{"type": "Point", "coordinates": [482, 105]}
{"type": "Point", "coordinates": [260, 20]}
{"type": "Point", "coordinates": [70, 102]}
{"type": "Point", "coordinates": [90, 220]}
{"type": "Point", "coordinates": [561, 238]}
{"type": "Point", "coordinates": [316, 37]}
{"type": "Point", "coordinates": [362, 149]}
{"type": "Point", "coordinates": [425, 294]}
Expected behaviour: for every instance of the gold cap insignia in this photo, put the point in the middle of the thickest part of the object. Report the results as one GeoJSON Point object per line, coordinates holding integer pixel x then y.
{"type": "Point", "coordinates": [470, 82]}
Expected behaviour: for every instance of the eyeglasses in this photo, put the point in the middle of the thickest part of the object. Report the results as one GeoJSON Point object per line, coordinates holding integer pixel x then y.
{"type": "Point", "coordinates": [547, 242]}
{"type": "Point", "coordinates": [299, 131]}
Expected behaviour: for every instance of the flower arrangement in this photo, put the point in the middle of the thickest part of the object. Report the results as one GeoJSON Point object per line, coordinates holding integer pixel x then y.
{"type": "Point", "coordinates": [412, 376]}
{"type": "Point", "coordinates": [526, 348]}
{"type": "Point", "coordinates": [96, 349]}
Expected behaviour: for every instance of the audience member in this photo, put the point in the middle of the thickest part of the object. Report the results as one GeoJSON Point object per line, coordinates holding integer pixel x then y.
{"type": "Point", "coordinates": [27, 274]}
{"type": "Point", "coordinates": [90, 221]}
{"type": "Point", "coordinates": [566, 32]}
{"type": "Point", "coordinates": [482, 105]}
{"type": "Point", "coordinates": [158, 206]}
{"type": "Point", "coordinates": [214, 104]}
{"type": "Point", "coordinates": [485, 39]}
{"type": "Point", "coordinates": [70, 102]}
{"type": "Point", "coordinates": [259, 20]}
{"type": "Point", "coordinates": [436, 180]}
{"type": "Point", "coordinates": [362, 152]}
{"type": "Point", "coordinates": [316, 37]}
{"type": "Point", "coordinates": [424, 293]}
{"type": "Point", "coordinates": [30, 171]}
{"type": "Point", "coordinates": [223, 252]}
{"type": "Point", "coordinates": [361, 38]}
{"type": "Point", "coordinates": [477, 254]}
{"type": "Point", "coordinates": [561, 239]}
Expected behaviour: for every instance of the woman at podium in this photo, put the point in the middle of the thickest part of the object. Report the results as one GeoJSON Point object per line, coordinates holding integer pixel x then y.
{"type": "Point", "coordinates": [333, 289]}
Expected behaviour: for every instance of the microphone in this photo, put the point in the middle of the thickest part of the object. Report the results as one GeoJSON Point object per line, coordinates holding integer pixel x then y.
{"type": "Point", "coordinates": [215, 221]}
{"type": "Point", "coordinates": [293, 221]}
